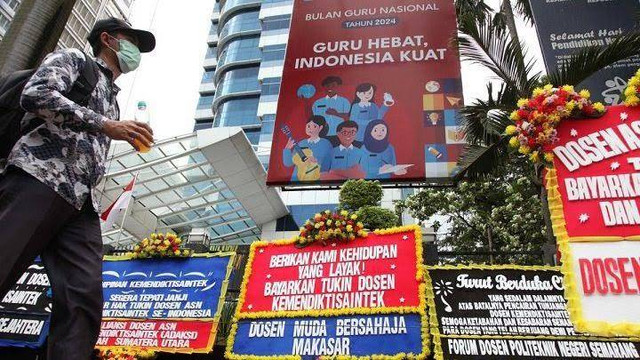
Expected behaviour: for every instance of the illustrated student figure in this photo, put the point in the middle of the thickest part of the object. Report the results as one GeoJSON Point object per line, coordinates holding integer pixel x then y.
{"type": "Point", "coordinates": [333, 107]}
{"type": "Point", "coordinates": [378, 153]}
{"type": "Point", "coordinates": [364, 110]}
{"type": "Point", "coordinates": [316, 128]}
{"type": "Point", "coordinates": [346, 158]}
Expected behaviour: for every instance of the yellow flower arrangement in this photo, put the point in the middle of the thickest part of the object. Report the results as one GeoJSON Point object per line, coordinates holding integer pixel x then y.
{"type": "Point", "coordinates": [632, 93]}
{"type": "Point", "coordinates": [536, 119]}
{"type": "Point", "coordinates": [328, 226]}
{"type": "Point", "coordinates": [160, 246]}
{"type": "Point", "coordinates": [120, 353]}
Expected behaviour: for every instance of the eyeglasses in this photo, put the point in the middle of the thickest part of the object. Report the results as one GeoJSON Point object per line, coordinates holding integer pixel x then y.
{"type": "Point", "coordinates": [348, 132]}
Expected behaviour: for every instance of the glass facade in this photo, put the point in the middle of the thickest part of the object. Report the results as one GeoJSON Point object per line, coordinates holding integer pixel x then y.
{"type": "Point", "coordinates": [238, 112]}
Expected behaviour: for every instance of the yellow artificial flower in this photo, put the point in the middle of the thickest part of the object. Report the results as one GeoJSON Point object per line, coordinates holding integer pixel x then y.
{"type": "Point", "coordinates": [549, 87]}
{"type": "Point", "coordinates": [514, 116]}
{"type": "Point", "coordinates": [537, 92]}
{"type": "Point", "coordinates": [523, 102]}
{"type": "Point", "coordinates": [524, 149]}
{"type": "Point", "coordinates": [634, 81]}
{"type": "Point", "coordinates": [585, 94]}
{"type": "Point", "coordinates": [349, 228]}
{"type": "Point", "coordinates": [630, 90]}
{"type": "Point", "coordinates": [567, 88]}
{"type": "Point", "coordinates": [514, 142]}
{"type": "Point", "coordinates": [599, 107]}
{"type": "Point", "coordinates": [548, 157]}
{"type": "Point", "coordinates": [534, 157]}
{"type": "Point", "coordinates": [571, 105]}
{"type": "Point", "coordinates": [511, 129]}
{"type": "Point", "coordinates": [632, 101]}
{"type": "Point", "coordinates": [354, 217]}
{"type": "Point", "coordinates": [317, 226]}
{"type": "Point", "coordinates": [344, 213]}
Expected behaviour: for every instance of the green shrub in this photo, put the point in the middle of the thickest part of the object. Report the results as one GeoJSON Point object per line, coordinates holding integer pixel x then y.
{"type": "Point", "coordinates": [375, 217]}
{"type": "Point", "coordinates": [356, 194]}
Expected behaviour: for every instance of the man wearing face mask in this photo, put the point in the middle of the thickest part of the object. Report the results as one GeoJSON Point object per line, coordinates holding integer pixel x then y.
{"type": "Point", "coordinates": [48, 204]}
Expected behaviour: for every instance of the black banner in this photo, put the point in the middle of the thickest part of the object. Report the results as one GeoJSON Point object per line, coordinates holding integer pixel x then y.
{"type": "Point", "coordinates": [511, 313]}
{"type": "Point", "coordinates": [505, 302]}
{"type": "Point", "coordinates": [25, 309]}
{"type": "Point", "coordinates": [567, 26]}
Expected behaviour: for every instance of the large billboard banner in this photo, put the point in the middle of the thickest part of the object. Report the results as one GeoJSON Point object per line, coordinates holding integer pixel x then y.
{"type": "Point", "coordinates": [594, 200]}
{"type": "Point", "coordinates": [369, 90]}
{"type": "Point", "coordinates": [359, 300]}
{"type": "Point", "coordinates": [509, 312]}
{"type": "Point", "coordinates": [567, 26]}
{"type": "Point", "coordinates": [170, 305]}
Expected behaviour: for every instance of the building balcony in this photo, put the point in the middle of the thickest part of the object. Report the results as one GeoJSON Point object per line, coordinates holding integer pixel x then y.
{"type": "Point", "coordinates": [232, 6]}
{"type": "Point", "coordinates": [207, 88]}
{"type": "Point", "coordinates": [212, 39]}
{"type": "Point", "coordinates": [210, 63]}
{"type": "Point", "coordinates": [202, 114]}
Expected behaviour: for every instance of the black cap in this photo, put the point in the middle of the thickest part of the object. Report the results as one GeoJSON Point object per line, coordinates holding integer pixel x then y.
{"type": "Point", "coordinates": [146, 40]}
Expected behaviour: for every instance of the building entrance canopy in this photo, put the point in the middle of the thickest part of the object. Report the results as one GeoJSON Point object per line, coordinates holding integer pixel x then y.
{"type": "Point", "coordinates": [209, 179]}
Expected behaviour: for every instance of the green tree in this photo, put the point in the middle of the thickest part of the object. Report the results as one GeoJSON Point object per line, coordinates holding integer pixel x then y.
{"type": "Point", "coordinates": [501, 212]}
{"type": "Point", "coordinates": [355, 194]}
{"type": "Point", "coordinates": [375, 217]}
{"type": "Point", "coordinates": [363, 197]}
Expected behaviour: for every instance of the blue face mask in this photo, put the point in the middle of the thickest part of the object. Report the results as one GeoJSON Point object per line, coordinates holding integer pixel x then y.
{"type": "Point", "coordinates": [128, 55]}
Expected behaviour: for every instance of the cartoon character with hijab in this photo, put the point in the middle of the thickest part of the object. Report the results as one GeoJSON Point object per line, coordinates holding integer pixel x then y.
{"type": "Point", "coordinates": [379, 158]}
{"type": "Point", "coordinates": [364, 110]}
{"type": "Point", "coordinates": [318, 149]}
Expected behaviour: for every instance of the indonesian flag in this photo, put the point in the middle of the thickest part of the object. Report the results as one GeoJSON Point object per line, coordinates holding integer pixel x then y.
{"type": "Point", "coordinates": [110, 215]}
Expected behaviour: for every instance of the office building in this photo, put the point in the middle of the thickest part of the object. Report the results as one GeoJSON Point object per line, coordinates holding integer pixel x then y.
{"type": "Point", "coordinates": [84, 14]}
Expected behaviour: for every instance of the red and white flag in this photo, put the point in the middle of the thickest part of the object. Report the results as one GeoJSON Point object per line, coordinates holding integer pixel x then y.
{"type": "Point", "coordinates": [110, 215]}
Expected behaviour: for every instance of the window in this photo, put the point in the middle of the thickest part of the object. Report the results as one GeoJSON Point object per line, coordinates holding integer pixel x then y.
{"type": "Point", "coordinates": [205, 102]}
{"type": "Point", "coordinates": [212, 52]}
{"type": "Point", "coordinates": [253, 135]}
{"type": "Point", "coordinates": [239, 80]}
{"type": "Point", "coordinates": [238, 112]}
{"type": "Point", "coordinates": [270, 86]}
{"type": "Point", "coordinates": [298, 214]}
{"type": "Point", "coordinates": [276, 22]}
{"type": "Point", "coordinates": [207, 76]}
{"type": "Point", "coordinates": [273, 52]}
{"type": "Point", "coordinates": [240, 49]}
{"type": "Point", "coordinates": [246, 21]}
{"type": "Point", "coordinates": [12, 4]}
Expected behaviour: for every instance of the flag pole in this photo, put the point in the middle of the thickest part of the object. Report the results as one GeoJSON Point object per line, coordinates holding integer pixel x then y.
{"type": "Point", "coordinates": [126, 210]}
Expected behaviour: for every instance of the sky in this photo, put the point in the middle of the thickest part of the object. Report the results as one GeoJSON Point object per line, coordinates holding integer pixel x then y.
{"type": "Point", "coordinates": [168, 78]}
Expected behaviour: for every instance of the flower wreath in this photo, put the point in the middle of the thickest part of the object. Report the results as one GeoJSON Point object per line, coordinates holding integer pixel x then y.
{"type": "Point", "coordinates": [632, 92]}
{"type": "Point", "coordinates": [160, 246]}
{"type": "Point", "coordinates": [331, 227]}
{"type": "Point", "coordinates": [537, 118]}
{"type": "Point", "coordinates": [125, 354]}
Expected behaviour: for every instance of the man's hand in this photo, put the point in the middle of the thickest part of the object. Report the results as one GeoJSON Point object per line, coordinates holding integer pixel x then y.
{"type": "Point", "coordinates": [129, 131]}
